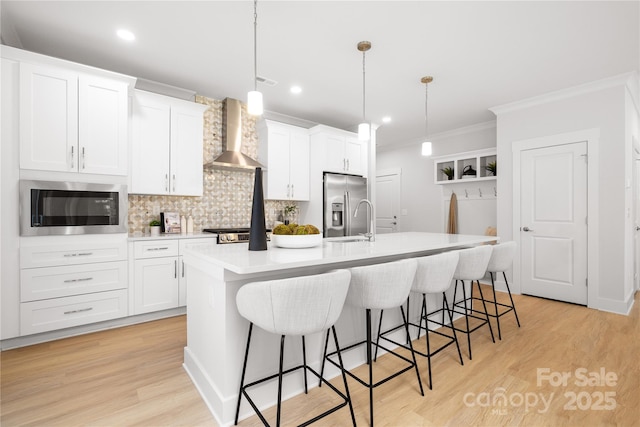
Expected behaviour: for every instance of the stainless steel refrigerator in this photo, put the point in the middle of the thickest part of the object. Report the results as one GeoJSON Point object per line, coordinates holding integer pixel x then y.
{"type": "Point", "coordinates": [341, 196]}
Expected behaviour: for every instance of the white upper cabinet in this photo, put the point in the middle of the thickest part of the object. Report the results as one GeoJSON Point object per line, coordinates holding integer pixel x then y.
{"type": "Point", "coordinates": [166, 146]}
{"type": "Point", "coordinates": [71, 121]}
{"type": "Point", "coordinates": [284, 151]}
{"type": "Point", "coordinates": [339, 151]}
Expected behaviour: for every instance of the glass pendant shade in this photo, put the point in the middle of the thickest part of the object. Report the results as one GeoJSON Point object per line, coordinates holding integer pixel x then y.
{"type": "Point", "coordinates": [364, 131]}
{"type": "Point", "coordinates": [254, 103]}
{"type": "Point", "coordinates": [426, 149]}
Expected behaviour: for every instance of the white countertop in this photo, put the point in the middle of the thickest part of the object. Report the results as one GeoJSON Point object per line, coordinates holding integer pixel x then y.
{"type": "Point", "coordinates": [238, 259]}
{"type": "Point", "coordinates": [170, 236]}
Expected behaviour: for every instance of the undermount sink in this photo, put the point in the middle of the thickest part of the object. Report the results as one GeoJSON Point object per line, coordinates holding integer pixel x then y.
{"type": "Point", "coordinates": [345, 239]}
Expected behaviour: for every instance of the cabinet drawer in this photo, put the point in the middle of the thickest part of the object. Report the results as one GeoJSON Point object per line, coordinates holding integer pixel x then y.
{"type": "Point", "coordinates": [58, 313]}
{"type": "Point", "coordinates": [155, 248]}
{"type": "Point", "coordinates": [51, 255]}
{"type": "Point", "coordinates": [55, 282]}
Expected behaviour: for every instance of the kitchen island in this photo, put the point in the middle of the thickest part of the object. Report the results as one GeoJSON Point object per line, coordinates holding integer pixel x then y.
{"type": "Point", "coordinates": [216, 333]}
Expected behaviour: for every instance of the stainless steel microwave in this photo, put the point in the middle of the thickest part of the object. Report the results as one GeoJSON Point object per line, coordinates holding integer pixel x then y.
{"type": "Point", "coordinates": [55, 207]}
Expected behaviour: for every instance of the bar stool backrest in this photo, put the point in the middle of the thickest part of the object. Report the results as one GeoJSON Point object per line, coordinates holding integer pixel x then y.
{"type": "Point", "coordinates": [435, 272]}
{"type": "Point", "coordinates": [296, 306]}
{"type": "Point", "coordinates": [473, 262]}
{"type": "Point", "coordinates": [502, 257]}
{"type": "Point", "coordinates": [381, 286]}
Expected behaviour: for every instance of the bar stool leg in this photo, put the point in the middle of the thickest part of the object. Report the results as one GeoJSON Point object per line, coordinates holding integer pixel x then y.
{"type": "Point", "coordinates": [484, 304]}
{"type": "Point", "coordinates": [344, 376]}
{"type": "Point", "coordinates": [466, 314]}
{"type": "Point", "coordinates": [280, 381]}
{"type": "Point", "coordinates": [375, 354]}
{"type": "Point", "coordinates": [304, 362]}
{"type": "Point", "coordinates": [495, 304]}
{"type": "Point", "coordinates": [453, 329]}
{"type": "Point", "coordinates": [370, 366]}
{"type": "Point", "coordinates": [426, 328]}
{"type": "Point", "coordinates": [324, 358]}
{"type": "Point", "coordinates": [244, 371]}
{"type": "Point", "coordinates": [413, 354]}
{"type": "Point", "coordinates": [511, 298]}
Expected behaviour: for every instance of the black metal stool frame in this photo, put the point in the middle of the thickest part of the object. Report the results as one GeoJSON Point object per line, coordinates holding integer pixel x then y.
{"type": "Point", "coordinates": [468, 312]}
{"type": "Point", "coordinates": [281, 373]}
{"type": "Point", "coordinates": [511, 307]}
{"type": "Point", "coordinates": [424, 316]}
{"type": "Point", "coordinates": [368, 341]}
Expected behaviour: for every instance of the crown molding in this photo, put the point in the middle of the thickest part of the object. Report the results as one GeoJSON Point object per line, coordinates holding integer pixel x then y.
{"type": "Point", "coordinates": [606, 83]}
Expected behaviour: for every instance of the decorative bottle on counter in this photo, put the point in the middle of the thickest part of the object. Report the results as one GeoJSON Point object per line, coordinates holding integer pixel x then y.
{"type": "Point", "coordinates": [190, 224]}
{"type": "Point", "coordinates": [258, 230]}
{"type": "Point", "coordinates": [183, 224]}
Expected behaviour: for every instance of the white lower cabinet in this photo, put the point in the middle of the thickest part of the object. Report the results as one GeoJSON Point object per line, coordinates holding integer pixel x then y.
{"type": "Point", "coordinates": [70, 281]}
{"type": "Point", "coordinates": [159, 277]}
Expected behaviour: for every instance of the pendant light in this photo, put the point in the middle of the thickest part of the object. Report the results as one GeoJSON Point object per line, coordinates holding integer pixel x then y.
{"type": "Point", "coordinates": [254, 98]}
{"type": "Point", "coordinates": [426, 145]}
{"type": "Point", "coordinates": [364, 130]}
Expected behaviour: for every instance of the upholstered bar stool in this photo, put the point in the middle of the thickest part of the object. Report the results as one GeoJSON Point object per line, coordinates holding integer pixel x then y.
{"type": "Point", "coordinates": [295, 306]}
{"type": "Point", "coordinates": [472, 265]}
{"type": "Point", "coordinates": [501, 260]}
{"type": "Point", "coordinates": [379, 287]}
{"type": "Point", "coordinates": [433, 277]}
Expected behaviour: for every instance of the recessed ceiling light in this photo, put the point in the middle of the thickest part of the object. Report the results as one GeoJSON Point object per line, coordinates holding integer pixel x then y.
{"type": "Point", "coordinates": [295, 89]}
{"type": "Point", "coordinates": [386, 119]}
{"type": "Point", "coordinates": [126, 35]}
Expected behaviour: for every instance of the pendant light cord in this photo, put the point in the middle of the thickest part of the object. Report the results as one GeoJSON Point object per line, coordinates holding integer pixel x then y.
{"type": "Point", "coordinates": [364, 117]}
{"type": "Point", "coordinates": [426, 110]}
{"type": "Point", "coordinates": [255, 45]}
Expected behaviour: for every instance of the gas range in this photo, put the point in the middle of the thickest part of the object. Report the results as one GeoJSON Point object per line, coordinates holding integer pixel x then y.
{"type": "Point", "coordinates": [232, 235]}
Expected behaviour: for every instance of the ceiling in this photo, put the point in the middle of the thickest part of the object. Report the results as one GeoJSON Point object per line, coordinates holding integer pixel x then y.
{"type": "Point", "coordinates": [481, 54]}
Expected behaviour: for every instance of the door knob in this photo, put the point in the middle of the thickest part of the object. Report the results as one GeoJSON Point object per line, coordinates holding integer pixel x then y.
{"type": "Point", "coordinates": [637, 227]}
{"type": "Point", "coordinates": [526, 229]}
{"type": "Point", "coordinates": [394, 223]}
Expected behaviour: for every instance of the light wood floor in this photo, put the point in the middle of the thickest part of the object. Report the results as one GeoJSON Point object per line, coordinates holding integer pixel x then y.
{"type": "Point", "coordinates": [133, 376]}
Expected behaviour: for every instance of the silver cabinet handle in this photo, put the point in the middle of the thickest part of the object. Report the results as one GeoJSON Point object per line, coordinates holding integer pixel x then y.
{"type": "Point", "coordinates": [164, 248]}
{"type": "Point", "coordinates": [79, 310]}
{"type": "Point", "coordinates": [83, 156]}
{"type": "Point", "coordinates": [288, 190]}
{"type": "Point", "coordinates": [182, 268]}
{"type": "Point", "coordinates": [292, 190]}
{"type": "Point", "coordinates": [526, 229]}
{"type": "Point", "coordinates": [78, 254]}
{"type": "Point", "coordinates": [84, 279]}
{"type": "Point", "coordinates": [348, 166]}
{"type": "Point", "coordinates": [175, 269]}
{"type": "Point", "coordinates": [166, 182]}
{"type": "Point", "coordinates": [72, 153]}
{"type": "Point", "coordinates": [174, 182]}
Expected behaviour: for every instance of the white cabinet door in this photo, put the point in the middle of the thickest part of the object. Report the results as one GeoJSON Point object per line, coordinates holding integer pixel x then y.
{"type": "Point", "coordinates": [299, 165]}
{"type": "Point", "coordinates": [186, 151]}
{"type": "Point", "coordinates": [278, 186]}
{"type": "Point", "coordinates": [354, 153]}
{"type": "Point", "coordinates": [156, 284]}
{"type": "Point", "coordinates": [335, 160]}
{"type": "Point", "coordinates": [150, 146]}
{"type": "Point", "coordinates": [48, 118]}
{"type": "Point", "coordinates": [102, 126]}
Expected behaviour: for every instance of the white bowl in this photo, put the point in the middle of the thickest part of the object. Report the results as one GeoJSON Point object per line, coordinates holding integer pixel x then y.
{"type": "Point", "coordinates": [296, 241]}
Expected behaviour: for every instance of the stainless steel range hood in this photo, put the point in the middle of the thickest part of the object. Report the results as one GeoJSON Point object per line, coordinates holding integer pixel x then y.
{"type": "Point", "coordinates": [231, 157]}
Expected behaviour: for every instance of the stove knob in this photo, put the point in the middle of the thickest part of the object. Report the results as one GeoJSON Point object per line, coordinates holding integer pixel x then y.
{"type": "Point", "coordinates": [231, 238]}
{"type": "Point", "coordinates": [222, 237]}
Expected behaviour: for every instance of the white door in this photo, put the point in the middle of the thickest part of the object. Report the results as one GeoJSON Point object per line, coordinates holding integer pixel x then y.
{"type": "Point", "coordinates": [553, 222]}
{"type": "Point", "coordinates": [636, 202]}
{"type": "Point", "coordinates": [387, 201]}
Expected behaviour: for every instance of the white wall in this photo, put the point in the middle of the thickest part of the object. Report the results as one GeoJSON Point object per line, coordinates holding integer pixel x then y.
{"type": "Point", "coordinates": [421, 197]}
{"type": "Point", "coordinates": [602, 108]}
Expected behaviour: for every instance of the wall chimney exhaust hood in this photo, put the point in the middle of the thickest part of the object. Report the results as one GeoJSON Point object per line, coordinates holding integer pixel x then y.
{"type": "Point", "coordinates": [231, 157]}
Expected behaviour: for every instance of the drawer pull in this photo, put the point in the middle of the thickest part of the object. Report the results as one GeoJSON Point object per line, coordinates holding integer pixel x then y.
{"type": "Point", "coordinates": [84, 279]}
{"type": "Point", "coordinates": [79, 310]}
{"type": "Point", "coordinates": [158, 249]}
{"type": "Point", "coordinates": [79, 254]}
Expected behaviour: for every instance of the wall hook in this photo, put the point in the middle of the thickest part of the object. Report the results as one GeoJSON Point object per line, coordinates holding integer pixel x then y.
{"type": "Point", "coordinates": [466, 194]}
{"type": "Point", "coordinates": [495, 192]}
{"type": "Point", "coordinates": [480, 191]}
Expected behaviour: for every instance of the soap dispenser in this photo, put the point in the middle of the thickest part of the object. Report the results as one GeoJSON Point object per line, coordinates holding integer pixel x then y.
{"type": "Point", "coordinates": [190, 224]}
{"type": "Point", "coordinates": [183, 225]}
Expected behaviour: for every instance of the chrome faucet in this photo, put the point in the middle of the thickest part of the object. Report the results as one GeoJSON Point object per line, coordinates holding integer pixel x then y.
{"type": "Point", "coordinates": [371, 234]}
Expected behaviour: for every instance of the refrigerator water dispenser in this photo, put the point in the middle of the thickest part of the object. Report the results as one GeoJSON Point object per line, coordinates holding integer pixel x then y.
{"type": "Point", "coordinates": [337, 210]}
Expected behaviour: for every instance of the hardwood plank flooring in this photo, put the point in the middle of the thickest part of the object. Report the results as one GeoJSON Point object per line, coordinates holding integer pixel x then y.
{"type": "Point", "coordinates": [133, 376]}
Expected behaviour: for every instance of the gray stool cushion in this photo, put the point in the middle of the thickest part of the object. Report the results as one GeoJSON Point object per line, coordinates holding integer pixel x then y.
{"type": "Point", "coordinates": [295, 306]}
